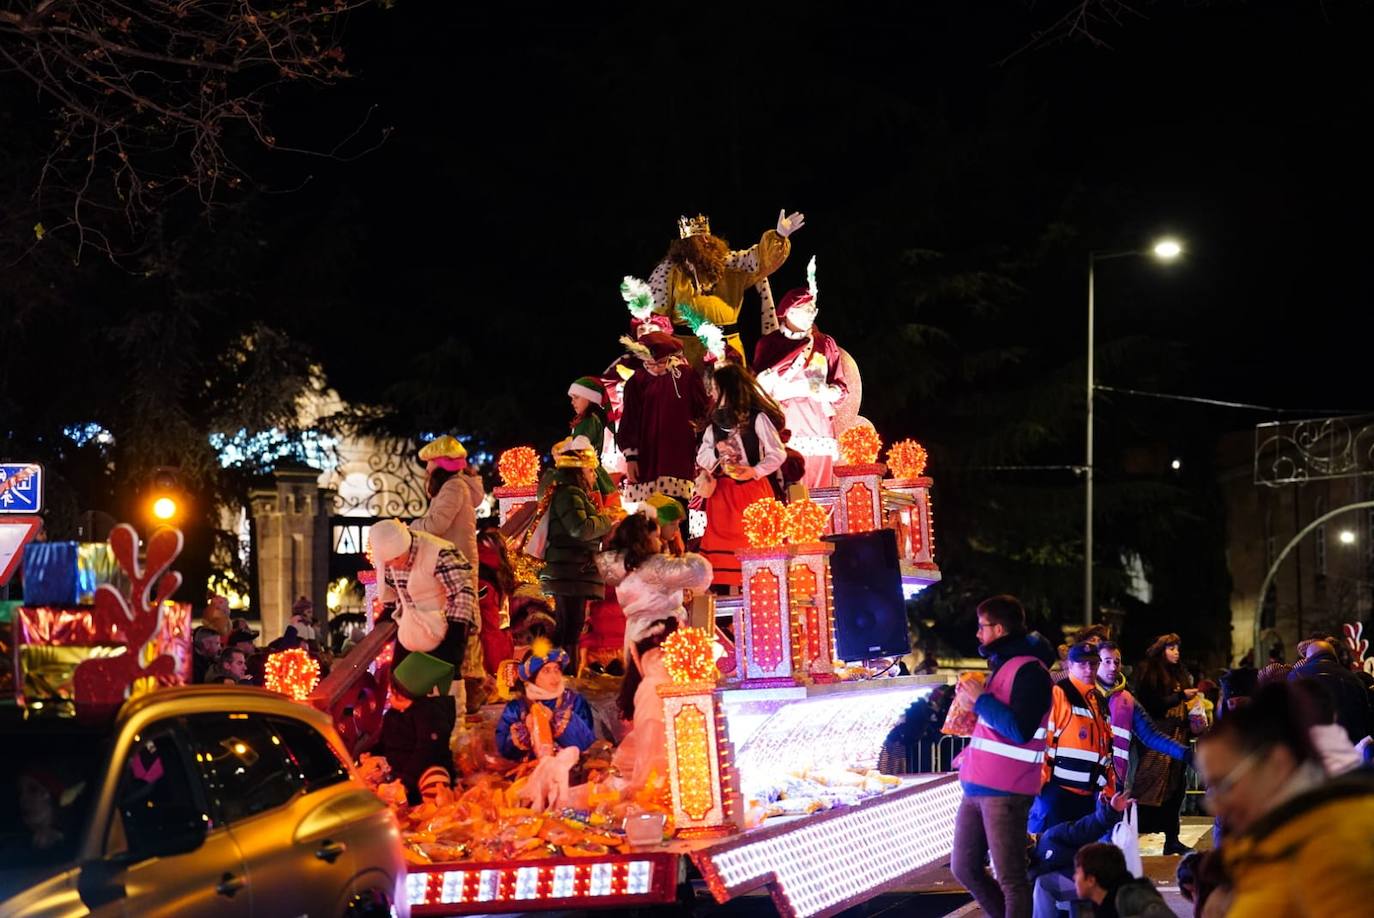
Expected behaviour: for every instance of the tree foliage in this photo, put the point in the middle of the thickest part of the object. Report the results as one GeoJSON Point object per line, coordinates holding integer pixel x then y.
{"type": "Point", "coordinates": [149, 102]}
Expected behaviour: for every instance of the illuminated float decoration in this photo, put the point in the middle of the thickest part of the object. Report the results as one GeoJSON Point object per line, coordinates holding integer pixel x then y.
{"type": "Point", "coordinates": [519, 471]}
{"type": "Point", "coordinates": [293, 673]}
{"type": "Point", "coordinates": [907, 504]}
{"type": "Point", "coordinates": [859, 503]}
{"type": "Point", "coordinates": [785, 628]}
{"type": "Point", "coordinates": [700, 762]}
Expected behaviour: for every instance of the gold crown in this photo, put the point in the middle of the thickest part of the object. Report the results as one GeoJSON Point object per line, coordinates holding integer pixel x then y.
{"type": "Point", "coordinates": [700, 225]}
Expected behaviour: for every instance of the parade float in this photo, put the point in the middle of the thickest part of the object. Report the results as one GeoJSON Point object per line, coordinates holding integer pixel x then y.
{"type": "Point", "coordinates": [773, 776]}
{"type": "Point", "coordinates": [774, 739]}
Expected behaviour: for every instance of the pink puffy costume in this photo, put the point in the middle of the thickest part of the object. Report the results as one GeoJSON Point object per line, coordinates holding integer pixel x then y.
{"type": "Point", "coordinates": [802, 371]}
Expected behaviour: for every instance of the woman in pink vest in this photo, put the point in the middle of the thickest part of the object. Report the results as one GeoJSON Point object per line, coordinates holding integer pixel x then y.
{"type": "Point", "coordinates": [1002, 769]}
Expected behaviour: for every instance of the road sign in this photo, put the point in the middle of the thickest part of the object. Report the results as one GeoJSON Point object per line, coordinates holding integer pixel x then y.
{"type": "Point", "coordinates": [21, 487]}
{"type": "Point", "coordinates": [15, 533]}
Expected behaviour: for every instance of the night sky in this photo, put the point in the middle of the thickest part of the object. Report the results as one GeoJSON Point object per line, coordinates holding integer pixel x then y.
{"type": "Point", "coordinates": [954, 171]}
{"type": "Point", "coordinates": [540, 153]}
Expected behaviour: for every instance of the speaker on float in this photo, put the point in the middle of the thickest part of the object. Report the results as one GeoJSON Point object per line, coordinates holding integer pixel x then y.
{"type": "Point", "coordinates": [870, 611]}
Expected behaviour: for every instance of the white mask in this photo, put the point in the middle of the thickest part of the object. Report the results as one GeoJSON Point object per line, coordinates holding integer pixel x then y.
{"type": "Point", "coordinates": [800, 319]}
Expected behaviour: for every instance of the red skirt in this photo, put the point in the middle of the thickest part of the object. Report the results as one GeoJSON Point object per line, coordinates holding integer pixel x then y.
{"type": "Point", "coordinates": [725, 525]}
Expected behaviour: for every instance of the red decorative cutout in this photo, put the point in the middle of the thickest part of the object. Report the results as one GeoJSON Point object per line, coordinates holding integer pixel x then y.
{"type": "Point", "coordinates": [858, 505]}
{"type": "Point", "coordinates": [765, 632]}
{"type": "Point", "coordinates": [104, 683]}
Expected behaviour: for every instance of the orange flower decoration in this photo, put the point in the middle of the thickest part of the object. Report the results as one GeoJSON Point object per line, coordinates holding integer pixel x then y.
{"type": "Point", "coordinates": [859, 446]}
{"type": "Point", "coordinates": [689, 655]}
{"type": "Point", "coordinates": [806, 521]}
{"type": "Point", "coordinates": [765, 522]}
{"type": "Point", "coordinates": [293, 673]}
{"type": "Point", "coordinates": [518, 467]}
{"type": "Point", "coordinates": [907, 459]}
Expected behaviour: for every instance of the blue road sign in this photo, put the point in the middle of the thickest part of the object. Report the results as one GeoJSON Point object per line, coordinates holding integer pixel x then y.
{"type": "Point", "coordinates": [21, 487]}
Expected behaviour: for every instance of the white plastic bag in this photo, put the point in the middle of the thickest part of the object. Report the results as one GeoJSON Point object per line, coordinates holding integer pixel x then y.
{"type": "Point", "coordinates": [538, 541]}
{"type": "Point", "coordinates": [1126, 836]}
{"type": "Point", "coordinates": [1197, 715]}
{"type": "Point", "coordinates": [419, 630]}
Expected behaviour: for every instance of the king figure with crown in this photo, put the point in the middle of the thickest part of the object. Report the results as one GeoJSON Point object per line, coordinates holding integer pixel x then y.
{"type": "Point", "coordinates": [701, 271]}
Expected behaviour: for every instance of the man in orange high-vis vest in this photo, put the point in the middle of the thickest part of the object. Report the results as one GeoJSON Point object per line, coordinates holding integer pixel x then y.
{"type": "Point", "coordinates": [1002, 769]}
{"type": "Point", "coordinates": [1078, 745]}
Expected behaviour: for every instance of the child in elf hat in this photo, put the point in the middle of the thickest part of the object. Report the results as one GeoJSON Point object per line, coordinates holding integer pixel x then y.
{"type": "Point", "coordinates": [669, 514]}
{"type": "Point", "coordinates": [547, 716]}
{"type": "Point", "coordinates": [588, 397]}
{"type": "Point", "coordinates": [416, 729]}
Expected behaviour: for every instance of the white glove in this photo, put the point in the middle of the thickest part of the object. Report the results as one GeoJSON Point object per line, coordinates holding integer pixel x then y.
{"type": "Point", "coordinates": [547, 787]}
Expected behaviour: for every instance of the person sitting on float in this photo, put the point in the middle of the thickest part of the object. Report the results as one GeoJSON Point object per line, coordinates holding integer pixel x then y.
{"type": "Point", "coordinates": [644, 750]}
{"type": "Point", "coordinates": [417, 726]}
{"type": "Point", "coordinates": [546, 716]}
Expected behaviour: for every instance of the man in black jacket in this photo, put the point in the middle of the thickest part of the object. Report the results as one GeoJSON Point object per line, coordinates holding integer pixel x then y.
{"type": "Point", "coordinates": [1347, 692]}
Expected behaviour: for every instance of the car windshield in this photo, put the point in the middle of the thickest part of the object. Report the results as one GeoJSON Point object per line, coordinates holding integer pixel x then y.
{"type": "Point", "coordinates": [49, 775]}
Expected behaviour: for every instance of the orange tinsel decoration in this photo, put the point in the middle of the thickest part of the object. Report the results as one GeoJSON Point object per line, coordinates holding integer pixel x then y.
{"type": "Point", "coordinates": [518, 467]}
{"type": "Point", "coordinates": [906, 459]}
{"type": "Point", "coordinates": [689, 655]}
{"type": "Point", "coordinates": [765, 522]}
{"type": "Point", "coordinates": [292, 673]}
{"type": "Point", "coordinates": [859, 446]}
{"type": "Point", "coordinates": [806, 521]}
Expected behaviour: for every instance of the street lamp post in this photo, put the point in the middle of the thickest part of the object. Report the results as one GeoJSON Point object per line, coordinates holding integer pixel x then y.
{"type": "Point", "coordinates": [1163, 250]}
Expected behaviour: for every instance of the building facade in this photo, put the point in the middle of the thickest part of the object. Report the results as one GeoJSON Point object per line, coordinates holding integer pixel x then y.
{"type": "Point", "coordinates": [1326, 580]}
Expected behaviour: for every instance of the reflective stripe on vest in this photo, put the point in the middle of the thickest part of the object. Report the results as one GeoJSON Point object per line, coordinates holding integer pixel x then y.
{"type": "Point", "coordinates": [1019, 753]}
{"type": "Point", "coordinates": [1078, 767]}
{"type": "Point", "coordinates": [1039, 734]}
{"type": "Point", "coordinates": [993, 760]}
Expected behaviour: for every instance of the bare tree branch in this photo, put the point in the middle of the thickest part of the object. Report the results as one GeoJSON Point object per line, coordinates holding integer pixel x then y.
{"type": "Point", "coordinates": [150, 99]}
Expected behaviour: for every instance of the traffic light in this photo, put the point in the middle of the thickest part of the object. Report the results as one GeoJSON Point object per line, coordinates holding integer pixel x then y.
{"type": "Point", "coordinates": [164, 502]}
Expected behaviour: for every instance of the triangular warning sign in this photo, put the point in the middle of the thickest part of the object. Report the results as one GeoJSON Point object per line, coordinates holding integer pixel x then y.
{"type": "Point", "coordinates": [15, 533]}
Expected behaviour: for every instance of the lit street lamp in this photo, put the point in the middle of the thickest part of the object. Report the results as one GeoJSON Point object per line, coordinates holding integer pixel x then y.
{"type": "Point", "coordinates": [1164, 250]}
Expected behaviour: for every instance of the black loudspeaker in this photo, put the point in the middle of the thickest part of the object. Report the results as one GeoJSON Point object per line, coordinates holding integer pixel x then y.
{"type": "Point", "coordinates": [870, 612]}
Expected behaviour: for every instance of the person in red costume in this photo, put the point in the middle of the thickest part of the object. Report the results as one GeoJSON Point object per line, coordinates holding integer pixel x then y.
{"type": "Point", "coordinates": [495, 586]}
{"type": "Point", "coordinates": [664, 402]}
{"type": "Point", "coordinates": [799, 366]}
{"type": "Point", "coordinates": [740, 455]}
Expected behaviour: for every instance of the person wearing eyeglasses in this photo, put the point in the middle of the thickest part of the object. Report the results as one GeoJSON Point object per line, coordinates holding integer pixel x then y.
{"type": "Point", "coordinates": [1296, 843]}
{"type": "Point", "coordinates": [1002, 769]}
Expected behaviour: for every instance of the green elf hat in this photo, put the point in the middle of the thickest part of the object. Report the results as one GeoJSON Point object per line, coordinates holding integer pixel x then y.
{"type": "Point", "coordinates": [589, 388]}
{"type": "Point", "coordinates": [419, 672]}
{"type": "Point", "coordinates": [663, 508]}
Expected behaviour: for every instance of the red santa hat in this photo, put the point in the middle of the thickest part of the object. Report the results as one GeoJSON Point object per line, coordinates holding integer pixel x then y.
{"type": "Point", "coordinates": [661, 345]}
{"type": "Point", "coordinates": [798, 296]}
